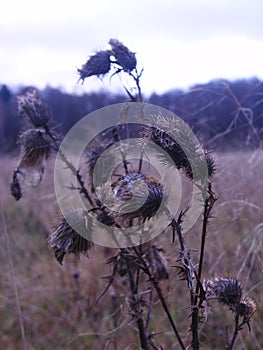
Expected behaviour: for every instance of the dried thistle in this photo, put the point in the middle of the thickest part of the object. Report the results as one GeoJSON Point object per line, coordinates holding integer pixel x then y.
{"type": "Point", "coordinates": [132, 188]}
{"type": "Point", "coordinates": [34, 109]}
{"type": "Point", "coordinates": [185, 152]}
{"type": "Point", "coordinates": [182, 150]}
{"type": "Point", "coordinates": [124, 57]}
{"type": "Point", "coordinates": [246, 309]}
{"type": "Point", "coordinates": [35, 147]}
{"type": "Point", "coordinates": [99, 64]}
{"type": "Point", "coordinates": [65, 239]}
{"type": "Point", "coordinates": [36, 142]}
{"type": "Point", "coordinates": [227, 291]}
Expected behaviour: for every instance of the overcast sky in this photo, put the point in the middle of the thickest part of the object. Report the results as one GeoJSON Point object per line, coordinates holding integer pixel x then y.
{"type": "Point", "coordinates": [178, 42]}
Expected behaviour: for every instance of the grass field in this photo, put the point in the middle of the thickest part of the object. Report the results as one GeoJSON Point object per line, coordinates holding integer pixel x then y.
{"type": "Point", "coordinates": [47, 306]}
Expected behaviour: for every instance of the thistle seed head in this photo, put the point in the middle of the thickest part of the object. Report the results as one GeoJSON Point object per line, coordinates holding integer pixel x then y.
{"type": "Point", "coordinates": [246, 308]}
{"type": "Point", "coordinates": [123, 189]}
{"type": "Point", "coordinates": [228, 291]}
{"type": "Point", "coordinates": [99, 64]}
{"type": "Point", "coordinates": [35, 147]}
{"type": "Point", "coordinates": [34, 109]}
{"type": "Point", "coordinates": [124, 57]}
{"type": "Point", "coordinates": [65, 240]}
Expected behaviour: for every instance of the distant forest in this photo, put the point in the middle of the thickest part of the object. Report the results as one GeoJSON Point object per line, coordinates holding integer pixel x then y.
{"type": "Point", "coordinates": [224, 115]}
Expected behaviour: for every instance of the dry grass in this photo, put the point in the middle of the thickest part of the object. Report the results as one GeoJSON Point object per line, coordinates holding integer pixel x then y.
{"type": "Point", "coordinates": [58, 303]}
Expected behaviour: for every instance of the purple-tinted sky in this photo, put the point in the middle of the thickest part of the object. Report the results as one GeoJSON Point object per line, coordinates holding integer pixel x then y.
{"type": "Point", "coordinates": [179, 43]}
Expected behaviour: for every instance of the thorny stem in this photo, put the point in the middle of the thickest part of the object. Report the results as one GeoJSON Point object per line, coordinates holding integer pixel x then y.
{"type": "Point", "coordinates": [208, 205]}
{"type": "Point", "coordinates": [160, 295]}
{"type": "Point", "coordinates": [134, 291]}
{"type": "Point", "coordinates": [70, 166]}
{"type": "Point", "coordinates": [188, 269]}
{"type": "Point", "coordinates": [185, 256]}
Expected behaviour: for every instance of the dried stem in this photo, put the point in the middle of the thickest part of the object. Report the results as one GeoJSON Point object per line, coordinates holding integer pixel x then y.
{"type": "Point", "coordinates": [134, 291]}
{"type": "Point", "coordinates": [235, 333]}
{"type": "Point", "coordinates": [155, 284]}
{"type": "Point", "coordinates": [136, 78]}
{"type": "Point", "coordinates": [208, 205]}
{"type": "Point", "coordinates": [56, 147]}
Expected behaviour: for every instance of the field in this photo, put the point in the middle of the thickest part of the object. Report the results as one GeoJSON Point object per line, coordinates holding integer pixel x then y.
{"type": "Point", "coordinates": [47, 306]}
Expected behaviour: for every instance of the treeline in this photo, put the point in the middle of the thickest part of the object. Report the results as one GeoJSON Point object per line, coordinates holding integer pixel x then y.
{"type": "Point", "coordinates": [225, 115]}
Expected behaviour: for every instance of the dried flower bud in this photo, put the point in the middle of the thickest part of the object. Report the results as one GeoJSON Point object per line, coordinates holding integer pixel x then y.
{"type": "Point", "coordinates": [124, 57]}
{"type": "Point", "coordinates": [158, 263]}
{"type": "Point", "coordinates": [65, 239]}
{"type": "Point", "coordinates": [34, 109]}
{"type": "Point", "coordinates": [35, 147]}
{"type": "Point", "coordinates": [176, 139]}
{"type": "Point", "coordinates": [132, 188]}
{"type": "Point", "coordinates": [98, 64]}
{"type": "Point", "coordinates": [227, 291]}
{"type": "Point", "coordinates": [246, 308]}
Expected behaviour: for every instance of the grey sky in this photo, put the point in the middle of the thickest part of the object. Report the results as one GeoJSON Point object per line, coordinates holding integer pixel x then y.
{"type": "Point", "coordinates": [178, 43]}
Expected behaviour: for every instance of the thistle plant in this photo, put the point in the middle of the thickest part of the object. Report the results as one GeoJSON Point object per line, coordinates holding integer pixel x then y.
{"type": "Point", "coordinates": [35, 142]}
{"type": "Point", "coordinates": [130, 199]}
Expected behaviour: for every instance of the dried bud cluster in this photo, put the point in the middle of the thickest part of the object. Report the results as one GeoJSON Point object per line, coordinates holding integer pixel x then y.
{"type": "Point", "coordinates": [100, 63]}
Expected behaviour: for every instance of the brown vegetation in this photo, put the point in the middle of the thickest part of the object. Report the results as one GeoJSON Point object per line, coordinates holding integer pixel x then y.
{"type": "Point", "coordinates": [58, 304]}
